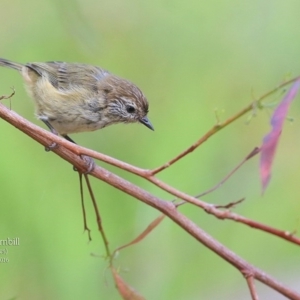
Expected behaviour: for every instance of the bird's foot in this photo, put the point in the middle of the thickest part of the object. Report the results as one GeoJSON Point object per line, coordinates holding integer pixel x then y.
{"type": "Point", "coordinates": [90, 163]}
{"type": "Point", "coordinates": [51, 147]}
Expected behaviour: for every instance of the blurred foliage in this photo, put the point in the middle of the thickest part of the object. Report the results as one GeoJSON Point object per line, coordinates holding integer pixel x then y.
{"type": "Point", "coordinates": [189, 58]}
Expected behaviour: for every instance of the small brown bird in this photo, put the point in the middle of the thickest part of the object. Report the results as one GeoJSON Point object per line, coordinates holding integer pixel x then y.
{"type": "Point", "coordinates": [72, 97]}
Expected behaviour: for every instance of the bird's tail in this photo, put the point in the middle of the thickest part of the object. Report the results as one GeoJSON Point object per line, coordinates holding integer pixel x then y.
{"type": "Point", "coordinates": [10, 64]}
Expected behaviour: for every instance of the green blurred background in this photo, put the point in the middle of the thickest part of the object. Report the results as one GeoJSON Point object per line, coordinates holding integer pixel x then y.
{"type": "Point", "coordinates": [189, 58]}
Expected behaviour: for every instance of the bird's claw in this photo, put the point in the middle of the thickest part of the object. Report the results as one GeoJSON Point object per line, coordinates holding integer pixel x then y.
{"type": "Point", "coordinates": [51, 147]}
{"type": "Point", "coordinates": [89, 162]}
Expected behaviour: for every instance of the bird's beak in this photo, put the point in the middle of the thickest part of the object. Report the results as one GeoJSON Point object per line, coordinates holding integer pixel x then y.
{"type": "Point", "coordinates": [146, 122]}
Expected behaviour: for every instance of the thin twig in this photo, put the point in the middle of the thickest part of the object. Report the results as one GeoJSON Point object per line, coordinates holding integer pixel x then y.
{"type": "Point", "coordinates": [220, 126]}
{"type": "Point", "coordinates": [250, 155]}
{"type": "Point", "coordinates": [9, 96]}
{"type": "Point", "coordinates": [231, 204]}
{"type": "Point", "coordinates": [286, 235]}
{"type": "Point", "coordinates": [85, 226]}
{"type": "Point", "coordinates": [251, 286]}
{"type": "Point", "coordinates": [98, 218]}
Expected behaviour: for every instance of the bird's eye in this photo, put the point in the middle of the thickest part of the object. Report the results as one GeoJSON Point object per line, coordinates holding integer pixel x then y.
{"type": "Point", "coordinates": [130, 109]}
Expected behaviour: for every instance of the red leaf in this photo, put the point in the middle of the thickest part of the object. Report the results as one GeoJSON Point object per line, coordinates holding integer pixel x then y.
{"type": "Point", "coordinates": [270, 141]}
{"type": "Point", "coordinates": [126, 291]}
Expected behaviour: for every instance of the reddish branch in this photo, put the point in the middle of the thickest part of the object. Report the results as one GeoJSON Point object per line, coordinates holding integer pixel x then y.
{"type": "Point", "coordinates": [72, 152]}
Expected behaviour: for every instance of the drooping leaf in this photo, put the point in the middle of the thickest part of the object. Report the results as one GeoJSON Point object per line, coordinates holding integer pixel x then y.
{"type": "Point", "coordinates": [142, 235]}
{"type": "Point", "coordinates": [271, 140]}
{"type": "Point", "coordinates": [126, 291]}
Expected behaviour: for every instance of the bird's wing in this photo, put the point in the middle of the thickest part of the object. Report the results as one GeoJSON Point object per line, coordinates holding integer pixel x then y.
{"type": "Point", "coordinates": [64, 75]}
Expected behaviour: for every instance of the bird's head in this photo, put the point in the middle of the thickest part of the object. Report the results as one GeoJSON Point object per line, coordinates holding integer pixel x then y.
{"type": "Point", "coordinates": [125, 101]}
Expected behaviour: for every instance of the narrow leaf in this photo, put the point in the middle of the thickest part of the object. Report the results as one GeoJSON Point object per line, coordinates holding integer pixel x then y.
{"type": "Point", "coordinates": [126, 291]}
{"type": "Point", "coordinates": [271, 140]}
{"type": "Point", "coordinates": [149, 228]}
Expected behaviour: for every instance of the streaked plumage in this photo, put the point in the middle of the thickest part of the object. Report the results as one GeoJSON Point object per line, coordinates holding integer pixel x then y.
{"type": "Point", "coordinates": [71, 97]}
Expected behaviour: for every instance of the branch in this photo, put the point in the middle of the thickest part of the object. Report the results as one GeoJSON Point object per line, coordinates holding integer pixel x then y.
{"type": "Point", "coordinates": [71, 153]}
{"type": "Point", "coordinates": [46, 138]}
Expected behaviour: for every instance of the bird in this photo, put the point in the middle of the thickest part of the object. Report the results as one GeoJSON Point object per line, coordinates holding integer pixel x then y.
{"type": "Point", "coordinates": [76, 97]}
